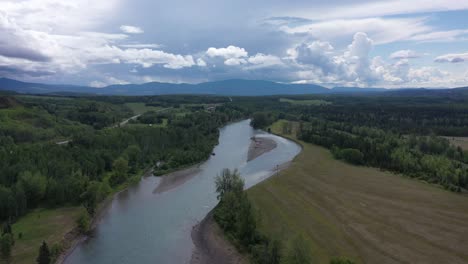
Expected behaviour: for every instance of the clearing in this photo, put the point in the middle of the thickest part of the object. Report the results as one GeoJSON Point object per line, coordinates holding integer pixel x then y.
{"type": "Point", "coordinates": [304, 102]}
{"type": "Point", "coordinates": [50, 225]}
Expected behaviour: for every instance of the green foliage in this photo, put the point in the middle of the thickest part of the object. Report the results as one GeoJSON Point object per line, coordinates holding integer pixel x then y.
{"type": "Point", "coordinates": [341, 261]}
{"type": "Point", "coordinates": [119, 174]}
{"type": "Point", "coordinates": [84, 223]}
{"type": "Point", "coordinates": [298, 252]}
{"type": "Point", "coordinates": [55, 252]}
{"type": "Point", "coordinates": [95, 192]}
{"type": "Point", "coordinates": [44, 254]}
{"type": "Point", "coordinates": [235, 216]}
{"type": "Point", "coordinates": [38, 172]}
{"type": "Point", "coordinates": [228, 181]}
{"type": "Point", "coordinates": [6, 244]}
{"type": "Point", "coordinates": [350, 155]}
{"type": "Point", "coordinates": [262, 119]}
{"type": "Point", "coordinates": [429, 158]}
{"type": "Point", "coordinates": [266, 252]}
{"type": "Point", "coordinates": [34, 185]}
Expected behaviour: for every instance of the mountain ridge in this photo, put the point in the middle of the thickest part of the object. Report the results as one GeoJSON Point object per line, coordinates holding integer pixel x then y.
{"type": "Point", "coordinates": [233, 87]}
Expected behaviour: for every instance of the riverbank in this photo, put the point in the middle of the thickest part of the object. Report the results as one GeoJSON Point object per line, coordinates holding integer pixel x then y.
{"type": "Point", "coordinates": [259, 146]}
{"type": "Point", "coordinates": [74, 237]}
{"type": "Point", "coordinates": [177, 178]}
{"type": "Point", "coordinates": [211, 246]}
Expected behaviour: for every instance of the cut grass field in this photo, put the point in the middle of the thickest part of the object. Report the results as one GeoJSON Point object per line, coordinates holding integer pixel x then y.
{"type": "Point", "coordinates": [361, 213]}
{"type": "Point", "coordinates": [50, 225]}
{"type": "Point", "coordinates": [304, 102]}
{"type": "Point", "coordinates": [461, 142]}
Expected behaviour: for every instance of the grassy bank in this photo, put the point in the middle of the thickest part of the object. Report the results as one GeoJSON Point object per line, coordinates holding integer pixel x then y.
{"type": "Point", "coordinates": [50, 225]}
{"type": "Point", "coordinates": [361, 213]}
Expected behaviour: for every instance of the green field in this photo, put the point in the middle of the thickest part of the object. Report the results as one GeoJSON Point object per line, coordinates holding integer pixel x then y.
{"type": "Point", "coordinates": [304, 102]}
{"type": "Point", "coordinates": [50, 225]}
{"type": "Point", "coordinates": [140, 108]}
{"type": "Point", "coordinates": [361, 213]}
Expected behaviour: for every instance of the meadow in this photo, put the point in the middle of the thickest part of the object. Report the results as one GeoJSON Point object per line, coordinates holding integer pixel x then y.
{"type": "Point", "coordinates": [362, 213]}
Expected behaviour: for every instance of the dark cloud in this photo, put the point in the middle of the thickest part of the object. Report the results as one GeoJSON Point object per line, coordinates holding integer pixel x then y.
{"type": "Point", "coordinates": [16, 51]}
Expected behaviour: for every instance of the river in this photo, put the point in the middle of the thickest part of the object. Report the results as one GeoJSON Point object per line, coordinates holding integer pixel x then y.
{"type": "Point", "coordinates": [141, 226]}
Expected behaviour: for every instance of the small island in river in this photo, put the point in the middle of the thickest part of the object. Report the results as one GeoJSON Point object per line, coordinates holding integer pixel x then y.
{"type": "Point", "coordinates": [259, 146]}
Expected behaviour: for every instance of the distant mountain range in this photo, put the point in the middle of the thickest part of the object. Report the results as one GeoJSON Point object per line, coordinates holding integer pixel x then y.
{"type": "Point", "coordinates": [234, 87]}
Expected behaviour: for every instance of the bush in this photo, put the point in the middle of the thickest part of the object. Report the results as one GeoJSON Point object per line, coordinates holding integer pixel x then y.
{"type": "Point", "coordinates": [350, 155]}
{"type": "Point", "coordinates": [298, 252]}
{"type": "Point", "coordinates": [6, 243]}
{"type": "Point", "coordinates": [83, 222]}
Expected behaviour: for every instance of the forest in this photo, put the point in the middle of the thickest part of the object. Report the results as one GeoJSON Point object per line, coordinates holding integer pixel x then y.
{"type": "Point", "coordinates": [407, 135]}
{"type": "Point", "coordinates": [57, 151]}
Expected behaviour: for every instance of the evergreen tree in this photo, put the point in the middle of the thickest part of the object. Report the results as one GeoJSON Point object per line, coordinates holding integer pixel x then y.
{"type": "Point", "coordinates": [44, 254]}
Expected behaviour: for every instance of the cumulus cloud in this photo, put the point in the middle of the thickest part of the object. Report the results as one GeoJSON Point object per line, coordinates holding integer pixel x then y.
{"type": "Point", "coordinates": [227, 53]}
{"type": "Point", "coordinates": [404, 54]}
{"type": "Point", "coordinates": [234, 61]}
{"type": "Point", "coordinates": [261, 60]}
{"type": "Point", "coordinates": [108, 80]}
{"type": "Point", "coordinates": [452, 58]}
{"type": "Point", "coordinates": [320, 63]}
{"type": "Point", "coordinates": [131, 29]}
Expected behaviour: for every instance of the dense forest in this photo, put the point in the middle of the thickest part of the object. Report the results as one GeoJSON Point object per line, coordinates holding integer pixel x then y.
{"type": "Point", "coordinates": [67, 151]}
{"type": "Point", "coordinates": [401, 134]}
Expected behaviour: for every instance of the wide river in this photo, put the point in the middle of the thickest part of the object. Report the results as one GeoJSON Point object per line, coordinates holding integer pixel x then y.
{"type": "Point", "coordinates": [141, 226]}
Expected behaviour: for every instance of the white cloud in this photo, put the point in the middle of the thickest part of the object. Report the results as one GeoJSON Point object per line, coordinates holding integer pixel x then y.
{"type": "Point", "coordinates": [97, 84]}
{"type": "Point", "coordinates": [235, 61]}
{"type": "Point", "coordinates": [261, 60]}
{"type": "Point", "coordinates": [404, 54]}
{"type": "Point", "coordinates": [201, 62]}
{"type": "Point", "coordinates": [227, 53]}
{"type": "Point", "coordinates": [108, 80]}
{"type": "Point", "coordinates": [381, 30]}
{"type": "Point", "coordinates": [320, 63]}
{"type": "Point", "coordinates": [352, 9]}
{"type": "Point", "coordinates": [131, 29]}
{"type": "Point", "coordinates": [440, 36]}
{"type": "Point", "coordinates": [58, 16]}
{"type": "Point", "coordinates": [141, 46]}
{"type": "Point", "coordinates": [37, 49]}
{"type": "Point", "coordinates": [452, 58]}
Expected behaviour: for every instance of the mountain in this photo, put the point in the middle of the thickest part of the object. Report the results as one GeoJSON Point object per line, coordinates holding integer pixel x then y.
{"type": "Point", "coordinates": [357, 90]}
{"type": "Point", "coordinates": [234, 87]}
{"type": "Point", "coordinates": [228, 87]}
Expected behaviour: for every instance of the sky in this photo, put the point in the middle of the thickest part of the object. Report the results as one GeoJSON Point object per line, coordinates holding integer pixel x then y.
{"type": "Point", "coordinates": [365, 43]}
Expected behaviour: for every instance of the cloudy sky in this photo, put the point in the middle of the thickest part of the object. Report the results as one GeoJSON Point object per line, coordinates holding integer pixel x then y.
{"type": "Point", "coordinates": [368, 43]}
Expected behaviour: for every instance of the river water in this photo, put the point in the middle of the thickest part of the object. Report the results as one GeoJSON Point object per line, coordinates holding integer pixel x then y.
{"type": "Point", "coordinates": [141, 226]}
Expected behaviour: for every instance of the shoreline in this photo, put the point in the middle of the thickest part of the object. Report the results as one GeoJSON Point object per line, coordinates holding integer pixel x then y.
{"type": "Point", "coordinates": [168, 182]}
{"type": "Point", "coordinates": [175, 179]}
{"type": "Point", "coordinates": [73, 238]}
{"type": "Point", "coordinates": [259, 146]}
{"type": "Point", "coordinates": [210, 245]}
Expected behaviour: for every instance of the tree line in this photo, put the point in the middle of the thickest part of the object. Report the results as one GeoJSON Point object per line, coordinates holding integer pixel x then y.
{"type": "Point", "coordinates": [235, 215]}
